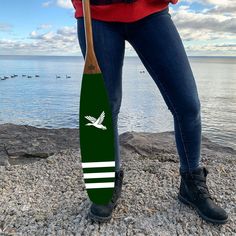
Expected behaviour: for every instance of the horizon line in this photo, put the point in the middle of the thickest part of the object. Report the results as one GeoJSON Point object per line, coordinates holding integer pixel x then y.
{"type": "Point", "coordinates": [82, 56]}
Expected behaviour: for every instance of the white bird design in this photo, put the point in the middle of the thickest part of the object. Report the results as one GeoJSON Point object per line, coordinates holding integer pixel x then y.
{"type": "Point", "coordinates": [97, 122]}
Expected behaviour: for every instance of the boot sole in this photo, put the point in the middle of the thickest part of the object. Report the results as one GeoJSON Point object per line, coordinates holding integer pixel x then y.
{"type": "Point", "coordinates": [100, 218]}
{"type": "Point", "coordinates": [185, 201]}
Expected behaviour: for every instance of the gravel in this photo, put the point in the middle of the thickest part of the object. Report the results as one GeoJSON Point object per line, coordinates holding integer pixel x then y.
{"type": "Point", "coordinates": [48, 197]}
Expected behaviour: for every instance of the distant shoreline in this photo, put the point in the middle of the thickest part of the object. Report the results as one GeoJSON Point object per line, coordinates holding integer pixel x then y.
{"type": "Point", "coordinates": [48, 56]}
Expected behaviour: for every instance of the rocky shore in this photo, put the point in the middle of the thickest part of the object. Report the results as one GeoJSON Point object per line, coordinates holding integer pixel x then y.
{"type": "Point", "coordinates": [42, 190]}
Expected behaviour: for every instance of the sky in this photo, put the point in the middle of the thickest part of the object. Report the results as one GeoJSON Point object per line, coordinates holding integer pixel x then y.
{"type": "Point", "coordinates": [48, 27]}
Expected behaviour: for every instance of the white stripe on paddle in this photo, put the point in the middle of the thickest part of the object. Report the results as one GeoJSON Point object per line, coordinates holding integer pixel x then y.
{"type": "Point", "coordinates": [100, 185]}
{"type": "Point", "coordinates": [99, 175]}
{"type": "Point", "coordinates": [98, 164]}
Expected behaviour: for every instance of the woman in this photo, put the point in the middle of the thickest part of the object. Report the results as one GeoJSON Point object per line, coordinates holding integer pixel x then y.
{"type": "Point", "coordinates": [148, 27]}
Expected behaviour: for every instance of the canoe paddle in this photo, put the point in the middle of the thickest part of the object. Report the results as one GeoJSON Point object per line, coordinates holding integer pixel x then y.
{"type": "Point", "coordinates": [95, 125]}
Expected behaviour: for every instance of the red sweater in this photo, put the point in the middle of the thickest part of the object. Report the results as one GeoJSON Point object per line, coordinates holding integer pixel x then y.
{"type": "Point", "coordinates": [123, 12]}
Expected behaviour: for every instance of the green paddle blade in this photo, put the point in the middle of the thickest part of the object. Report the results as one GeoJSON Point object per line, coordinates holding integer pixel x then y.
{"type": "Point", "coordinates": [96, 139]}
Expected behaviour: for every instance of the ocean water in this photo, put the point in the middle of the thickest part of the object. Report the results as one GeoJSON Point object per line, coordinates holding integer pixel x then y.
{"type": "Point", "coordinates": [51, 102]}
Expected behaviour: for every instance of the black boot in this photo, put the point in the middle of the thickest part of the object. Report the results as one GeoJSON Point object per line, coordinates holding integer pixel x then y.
{"type": "Point", "coordinates": [194, 192]}
{"type": "Point", "coordinates": [103, 213]}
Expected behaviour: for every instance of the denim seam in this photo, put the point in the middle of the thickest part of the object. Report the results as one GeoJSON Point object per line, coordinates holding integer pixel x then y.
{"type": "Point", "coordinates": [186, 156]}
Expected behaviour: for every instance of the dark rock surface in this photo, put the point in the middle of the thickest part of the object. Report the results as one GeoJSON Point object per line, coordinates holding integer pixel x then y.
{"type": "Point", "coordinates": [24, 143]}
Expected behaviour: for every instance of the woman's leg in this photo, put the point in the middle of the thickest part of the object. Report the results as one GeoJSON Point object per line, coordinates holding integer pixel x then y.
{"type": "Point", "coordinates": [109, 46]}
{"type": "Point", "coordinates": [159, 46]}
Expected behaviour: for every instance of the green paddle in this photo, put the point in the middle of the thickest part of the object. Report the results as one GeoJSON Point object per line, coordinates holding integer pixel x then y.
{"type": "Point", "coordinates": [95, 125]}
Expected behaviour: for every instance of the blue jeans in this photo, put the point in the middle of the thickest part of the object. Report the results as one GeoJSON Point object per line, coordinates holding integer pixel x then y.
{"type": "Point", "coordinates": [158, 44]}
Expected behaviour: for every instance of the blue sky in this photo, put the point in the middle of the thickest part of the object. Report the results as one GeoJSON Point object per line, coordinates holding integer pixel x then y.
{"type": "Point", "coordinates": [42, 27]}
{"type": "Point", "coordinates": [26, 16]}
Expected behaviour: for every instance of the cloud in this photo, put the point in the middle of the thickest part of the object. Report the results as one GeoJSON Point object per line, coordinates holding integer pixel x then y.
{"type": "Point", "coordinates": [47, 37]}
{"type": "Point", "coordinates": [189, 35]}
{"type": "Point", "coordinates": [216, 6]}
{"type": "Point", "coordinates": [231, 46]}
{"type": "Point", "coordinates": [44, 41]}
{"type": "Point", "coordinates": [60, 3]}
{"type": "Point", "coordinates": [63, 34]}
{"type": "Point", "coordinates": [201, 21]}
{"type": "Point", "coordinates": [61, 42]}
{"type": "Point", "coordinates": [212, 49]}
{"type": "Point", "coordinates": [47, 4]}
{"type": "Point", "coordinates": [209, 30]}
{"type": "Point", "coordinates": [16, 47]}
{"type": "Point", "coordinates": [211, 2]}
{"type": "Point", "coordinates": [227, 9]}
{"type": "Point", "coordinates": [67, 31]}
{"type": "Point", "coordinates": [203, 26]}
{"type": "Point", "coordinates": [65, 4]}
{"type": "Point", "coordinates": [44, 26]}
{"type": "Point", "coordinates": [5, 27]}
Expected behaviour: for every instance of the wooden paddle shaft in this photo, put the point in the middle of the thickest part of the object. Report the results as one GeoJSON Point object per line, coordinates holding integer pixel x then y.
{"type": "Point", "coordinates": [91, 63]}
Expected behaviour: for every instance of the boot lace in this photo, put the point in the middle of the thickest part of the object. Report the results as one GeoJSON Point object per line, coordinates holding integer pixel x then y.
{"type": "Point", "coordinates": [200, 182]}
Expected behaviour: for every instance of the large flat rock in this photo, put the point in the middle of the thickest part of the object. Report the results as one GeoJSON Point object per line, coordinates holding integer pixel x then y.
{"type": "Point", "coordinates": [24, 143]}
